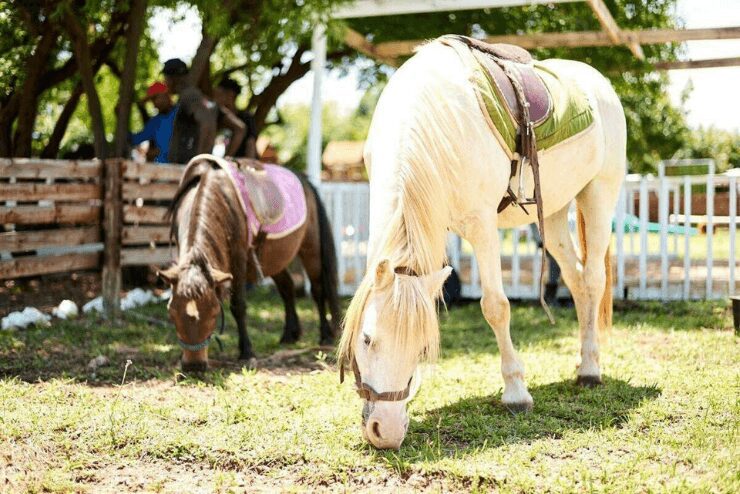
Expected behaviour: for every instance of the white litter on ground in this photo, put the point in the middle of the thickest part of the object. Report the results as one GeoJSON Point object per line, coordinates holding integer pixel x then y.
{"type": "Point", "coordinates": [135, 298]}
{"type": "Point", "coordinates": [99, 361]}
{"type": "Point", "coordinates": [95, 304]}
{"type": "Point", "coordinates": [66, 310]}
{"type": "Point", "coordinates": [29, 316]}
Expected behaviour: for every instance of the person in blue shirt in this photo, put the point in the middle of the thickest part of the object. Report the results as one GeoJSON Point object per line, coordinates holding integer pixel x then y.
{"type": "Point", "coordinates": [158, 129]}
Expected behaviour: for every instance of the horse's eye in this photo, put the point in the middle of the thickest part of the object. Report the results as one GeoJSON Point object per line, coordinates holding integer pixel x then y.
{"type": "Point", "coordinates": [367, 340]}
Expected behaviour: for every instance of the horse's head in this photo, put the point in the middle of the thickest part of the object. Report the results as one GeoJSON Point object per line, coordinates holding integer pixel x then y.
{"type": "Point", "coordinates": [391, 325]}
{"type": "Point", "coordinates": [197, 290]}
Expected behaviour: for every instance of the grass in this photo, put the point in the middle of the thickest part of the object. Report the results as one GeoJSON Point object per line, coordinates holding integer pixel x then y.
{"type": "Point", "coordinates": [666, 419]}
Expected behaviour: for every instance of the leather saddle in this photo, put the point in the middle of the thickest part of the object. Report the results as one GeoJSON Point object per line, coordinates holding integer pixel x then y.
{"type": "Point", "coordinates": [264, 195]}
{"type": "Point", "coordinates": [520, 63]}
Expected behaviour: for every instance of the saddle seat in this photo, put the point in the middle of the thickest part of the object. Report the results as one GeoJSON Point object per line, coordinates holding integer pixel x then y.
{"type": "Point", "coordinates": [520, 63]}
{"type": "Point", "coordinates": [264, 195]}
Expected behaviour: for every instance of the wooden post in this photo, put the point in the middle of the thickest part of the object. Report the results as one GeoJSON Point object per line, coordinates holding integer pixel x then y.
{"type": "Point", "coordinates": [112, 214]}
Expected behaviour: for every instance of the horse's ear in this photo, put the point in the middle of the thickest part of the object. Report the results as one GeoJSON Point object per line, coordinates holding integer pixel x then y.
{"type": "Point", "coordinates": [219, 277]}
{"type": "Point", "coordinates": [383, 274]}
{"type": "Point", "coordinates": [435, 281]}
{"type": "Point", "coordinates": [170, 275]}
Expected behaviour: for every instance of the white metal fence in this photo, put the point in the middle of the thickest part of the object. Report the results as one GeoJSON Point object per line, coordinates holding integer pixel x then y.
{"type": "Point", "coordinates": [669, 243]}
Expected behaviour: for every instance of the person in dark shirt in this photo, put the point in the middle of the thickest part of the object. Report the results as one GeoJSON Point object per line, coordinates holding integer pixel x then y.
{"type": "Point", "coordinates": [158, 129]}
{"type": "Point", "coordinates": [194, 128]}
{"type": "Point", "coordinates": [225, 95]}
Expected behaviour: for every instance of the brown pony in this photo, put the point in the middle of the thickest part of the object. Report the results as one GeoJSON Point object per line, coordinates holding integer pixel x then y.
{"type": "Point", "coordinates": [210, 231]}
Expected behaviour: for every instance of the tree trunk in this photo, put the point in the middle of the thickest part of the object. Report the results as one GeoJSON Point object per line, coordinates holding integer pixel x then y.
{"type": "Point", "coordinates": [29, 92]}
{"type": "Point", "coordinates": [128, 76]}
{"type": "Point", "coordinates": [87, 76]}
{"type": "Point", "coordinates": [7, 116]}
{"type": "Point", "coordinates": [60, 127]}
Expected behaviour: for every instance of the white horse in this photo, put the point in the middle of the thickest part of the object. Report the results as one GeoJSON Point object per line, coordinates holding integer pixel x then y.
{"type": "Point", "coordinates": [435, 166]}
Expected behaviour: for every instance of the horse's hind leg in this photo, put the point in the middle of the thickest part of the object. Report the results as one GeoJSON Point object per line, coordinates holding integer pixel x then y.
{"type": "Point", "coordinates": [586, 281]}
{"type": "Point", "coordinates": [484, 237]}
{"type": "Point", "coordinates": [286, 288]}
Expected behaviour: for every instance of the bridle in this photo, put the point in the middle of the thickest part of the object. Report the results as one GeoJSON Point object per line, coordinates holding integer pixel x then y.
{"type": "Point", "coordinates": [368, 393]}
{"type": "Point", "coordinates": [196, 347]}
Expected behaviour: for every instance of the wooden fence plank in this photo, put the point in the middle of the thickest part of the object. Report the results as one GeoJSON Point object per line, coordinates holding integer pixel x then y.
{"type": "Point", "coordinates": [157, 190]}
{"type": "Point", "coordinates": [145, 234]}
{"type": "Point", "coordinates": [38, 168]}
{"type": "Point", "coordinates": [29, 240]}
{"type": "Point", "coordinates": [145, 214]}
{"type": "Point", "coordinates": [151, 171]}
{"type": "Point", "coordinates": [63, 214]}
{"type": "Point", "coordinates": [37, 265]}
{"type": "Point", "coordinates": [146, 256]}
{"type": "Point", "coordinates": [50, 192]}
{"type": "Point", "coordinates": [112, 225]}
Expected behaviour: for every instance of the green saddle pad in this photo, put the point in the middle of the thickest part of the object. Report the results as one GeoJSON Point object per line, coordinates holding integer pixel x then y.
{"type": "Point", "coordinates": [570, 111]}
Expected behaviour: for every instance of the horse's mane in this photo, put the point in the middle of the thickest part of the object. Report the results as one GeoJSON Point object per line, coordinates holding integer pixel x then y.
{"type": "Point", "coordinates": [212, 225]}
{"type": "Point", "coordinates": [425, 151]}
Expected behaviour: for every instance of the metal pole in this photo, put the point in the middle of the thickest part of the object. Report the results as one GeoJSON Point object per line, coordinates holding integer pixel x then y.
{"type": "Point", "coordinates": [318, 46]}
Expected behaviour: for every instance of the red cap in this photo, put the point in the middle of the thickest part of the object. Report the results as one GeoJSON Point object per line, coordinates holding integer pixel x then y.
{"type": "Point", "coordinates": [156, 88]}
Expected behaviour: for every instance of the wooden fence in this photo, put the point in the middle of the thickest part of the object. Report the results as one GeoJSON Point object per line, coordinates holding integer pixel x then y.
{"type": "Point", "coordinates": [61, 216]}
{"type": "Point", "coordinates": [52, 216]}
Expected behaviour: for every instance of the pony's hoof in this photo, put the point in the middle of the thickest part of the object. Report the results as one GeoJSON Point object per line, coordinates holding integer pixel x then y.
{"type": "Point", "coordinates": [588, 381]}
{"type": "Point", "coordinates": [289, 338]}
{"type": "Point", "coordinates": [326, 341]}
{"type": "Point", "coordinates": [522, 407]}
{"type": "Point", "coordinates": [249, 362]}
{"type": "Point", "coordinates": [196, 367]}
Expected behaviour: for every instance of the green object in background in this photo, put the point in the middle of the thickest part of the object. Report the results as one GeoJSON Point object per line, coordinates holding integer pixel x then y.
{"type": "Point", "coordinates": [632, 224]}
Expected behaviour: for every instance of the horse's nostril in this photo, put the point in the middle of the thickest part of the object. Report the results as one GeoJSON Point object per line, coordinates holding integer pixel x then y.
{"type": "Point", "coordinates": [376, 429]}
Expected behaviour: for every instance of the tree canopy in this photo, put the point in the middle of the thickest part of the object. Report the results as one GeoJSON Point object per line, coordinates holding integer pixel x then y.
{"type": "Point", "coordinates": [67, 64]}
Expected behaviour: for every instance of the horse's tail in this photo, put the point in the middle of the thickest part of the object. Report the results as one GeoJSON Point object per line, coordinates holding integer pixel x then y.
{"type": "Point", "coordinates": [329, 280]}
{"type": "Point", "coordinates": [606, 304]}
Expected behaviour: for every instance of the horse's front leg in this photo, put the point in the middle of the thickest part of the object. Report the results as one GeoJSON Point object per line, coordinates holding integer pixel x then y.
{"type": "Point", "coordinates": [239, 311]}
{"type": "Point", "coordinates": [484, 238]}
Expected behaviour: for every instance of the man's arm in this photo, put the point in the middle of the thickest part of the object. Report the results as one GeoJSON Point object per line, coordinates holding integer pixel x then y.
{"type": "Point", "coordinates": [146, 134]}
{"type": "Point", "coordinates": [238, 130]}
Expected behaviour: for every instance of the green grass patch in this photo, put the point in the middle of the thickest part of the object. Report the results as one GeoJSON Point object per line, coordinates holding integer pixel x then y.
{"type": "Point", "coordinates": [666, 419]}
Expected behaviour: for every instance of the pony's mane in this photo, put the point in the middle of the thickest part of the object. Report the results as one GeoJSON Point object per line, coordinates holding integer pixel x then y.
{"type": "Point", "coordinates": [212, 224]}
{"type": "Point", "coordinates": [428, 146]}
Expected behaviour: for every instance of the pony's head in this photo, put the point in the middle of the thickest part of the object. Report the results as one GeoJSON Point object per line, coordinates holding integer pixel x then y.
{"type": "Point", "coordinates": [197, 290]}
{"type": "Point", "coordinates": [390, 326]}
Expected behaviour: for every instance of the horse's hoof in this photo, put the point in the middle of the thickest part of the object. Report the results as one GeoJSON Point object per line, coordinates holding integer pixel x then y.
{"type": "Point", "coordinates": [522, 407]}
{"type": "Point", "coordinates": [287, 339]}
{"type": "Point", "coordinates": [589, 381]}
{"type": "Point", "coordinates": [249, 362]}
{"type": "Point", "coordinates": [196, 367]}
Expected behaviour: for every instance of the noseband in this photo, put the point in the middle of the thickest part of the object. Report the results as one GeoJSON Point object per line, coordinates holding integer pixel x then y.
{"type": "Point", "coordinates": [367, 392]}
{"type": "Point", "coordinates": [196, 347]}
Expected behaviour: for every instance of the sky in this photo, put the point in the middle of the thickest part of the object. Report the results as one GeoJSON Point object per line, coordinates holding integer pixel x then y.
{"type": "Point", "coordinates": [181, 38]}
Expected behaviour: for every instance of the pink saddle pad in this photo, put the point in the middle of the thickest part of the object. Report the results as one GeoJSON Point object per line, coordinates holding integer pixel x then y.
{"type": "Point", "coordinates": [294, 199]}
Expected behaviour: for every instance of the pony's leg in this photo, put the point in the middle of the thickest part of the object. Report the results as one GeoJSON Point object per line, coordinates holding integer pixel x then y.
{"type": "Point", "coordinates": [286, 288]}
{"type": "Point", "coordinates": [239, 311]}
{"type": "Point", "coordinates": [484, 238]}
{"type": "Point", "coordinates": [319, 297]}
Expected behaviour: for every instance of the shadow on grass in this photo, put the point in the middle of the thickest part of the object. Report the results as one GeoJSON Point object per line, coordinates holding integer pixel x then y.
{"type": "Point", "coordinates": [477, 423]}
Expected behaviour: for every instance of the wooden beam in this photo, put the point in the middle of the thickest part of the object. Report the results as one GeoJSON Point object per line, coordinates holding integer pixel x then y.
{"type": "Point", "coordinates": [27, 192]}
{"type": "Point", "coordinates": [145, 214]}
{"type": "Point", "coordinates": [612, 29]}
{"type": "Point", "coordinates": [374, 8]}
{"type": "Point", "coordinates": [36, 265]}
{"type": "Point", "coordinates": [698, 64]}
{"type": "Point", "coordinates": [30, 240]}
{"type": "Point", "coordinates": [357, 41]}
{"type": "Point", "coordinates": [578, 39]}
{"type": "Point", "coordinates": [58, 213]}
{"type": "Point", "coordinates": [40, 168]}
{"type": "Point", "coordinates": [157, 190]}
